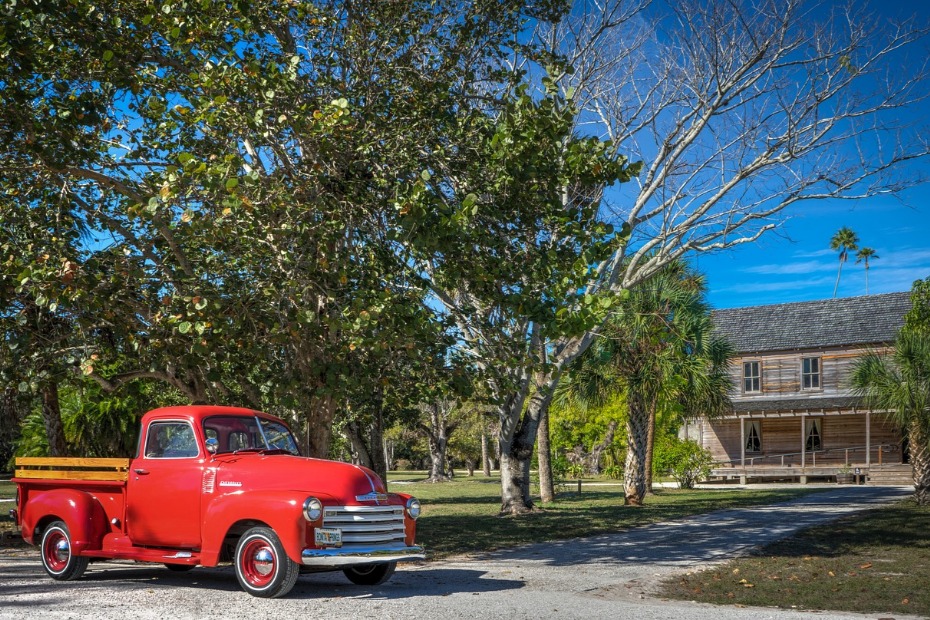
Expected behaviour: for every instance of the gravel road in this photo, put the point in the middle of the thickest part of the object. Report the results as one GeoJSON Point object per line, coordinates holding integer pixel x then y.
{"type": "Point", "coordinates": [609, 576]}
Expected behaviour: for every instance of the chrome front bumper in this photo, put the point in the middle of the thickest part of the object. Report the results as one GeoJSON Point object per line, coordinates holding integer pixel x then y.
{"type": "Point", "coordinates": [349, 556]}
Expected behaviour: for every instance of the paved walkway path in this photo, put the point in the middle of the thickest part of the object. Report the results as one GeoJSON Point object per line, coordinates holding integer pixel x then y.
{"type": "Point", "coordinates": [608, 576]}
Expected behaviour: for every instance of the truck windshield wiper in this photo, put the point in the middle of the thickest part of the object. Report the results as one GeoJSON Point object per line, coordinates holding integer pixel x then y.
{"type": "Point", "coordinates": [263, 450]}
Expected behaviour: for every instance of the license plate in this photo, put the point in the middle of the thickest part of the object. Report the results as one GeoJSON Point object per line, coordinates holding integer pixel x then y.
{"type": "Point", "coordinates": [328, 536]}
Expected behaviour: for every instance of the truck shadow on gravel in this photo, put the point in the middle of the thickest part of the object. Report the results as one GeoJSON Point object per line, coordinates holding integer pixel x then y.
{"type": "Point", "coordinates": [21, 576]}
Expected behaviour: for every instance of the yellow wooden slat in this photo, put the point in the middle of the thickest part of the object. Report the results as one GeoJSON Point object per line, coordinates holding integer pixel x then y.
{"type": "Point", "coordinates": [67, 462]}
{"type": "Point", "coordinates": [52, 474]}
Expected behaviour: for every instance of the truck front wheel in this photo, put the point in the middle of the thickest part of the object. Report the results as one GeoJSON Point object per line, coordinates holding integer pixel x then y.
{"type": "Point", "coordinates": [371, 574]}
{"type": "Point", "coordinates": [262, 565]}
{"type": "Point", "coordinates": [57, 559]}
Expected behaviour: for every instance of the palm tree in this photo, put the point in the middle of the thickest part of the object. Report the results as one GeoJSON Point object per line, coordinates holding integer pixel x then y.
{"type": "Point", "coordinates": [844, 241]}
{"type": "Point", "coordinates": [900, 384]}
{"type": "Point", "coordinates": [864, 255]}
{"type": "Point", "coordinates": [657, 350]}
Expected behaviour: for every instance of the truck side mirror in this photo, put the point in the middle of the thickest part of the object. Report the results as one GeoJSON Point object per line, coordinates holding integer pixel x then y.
{"type": "Point", "coordinates": [212, 445]}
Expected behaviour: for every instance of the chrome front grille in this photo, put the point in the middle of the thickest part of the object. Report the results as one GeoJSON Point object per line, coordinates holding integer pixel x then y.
{"type": "Point", "coordinates": [366, 525]}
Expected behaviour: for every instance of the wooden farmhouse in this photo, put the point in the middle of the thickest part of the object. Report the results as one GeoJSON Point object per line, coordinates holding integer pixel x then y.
{"type": "Point", "coordinates": [794, 414]}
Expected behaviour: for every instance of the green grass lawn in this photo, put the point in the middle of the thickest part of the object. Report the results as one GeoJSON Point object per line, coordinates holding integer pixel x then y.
{"type": "Point", "coordinates": [878, 561]}
{"type": "Point", "coordinates": [460, 516]}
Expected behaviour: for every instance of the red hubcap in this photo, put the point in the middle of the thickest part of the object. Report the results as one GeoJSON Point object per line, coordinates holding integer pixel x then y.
{"type": "Point", "coordinates": [257, 563]}
{"type": "Point", "coordinates": [57, 551]}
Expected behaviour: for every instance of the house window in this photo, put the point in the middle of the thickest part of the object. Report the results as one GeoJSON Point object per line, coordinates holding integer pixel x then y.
{"type": "Point", "coordinates": [752, 377]}
{"type": "Point", "coordinates": [753, 435]}
{"type": "Point", "coordinates": [814, 434]}
{"type": "Point", "coordinates": [810, 373]}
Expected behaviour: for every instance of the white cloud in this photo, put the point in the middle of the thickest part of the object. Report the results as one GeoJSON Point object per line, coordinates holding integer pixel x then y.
{"type": "Point", "coordinates": [783, 285]}
{"type": "Point", "coordinates": [787, 269]}
{"type": "Point", "coordinates": [815, 253]}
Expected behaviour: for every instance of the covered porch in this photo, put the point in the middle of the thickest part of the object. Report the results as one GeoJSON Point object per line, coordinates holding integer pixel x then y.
{"type": "Point", "coordinates": [802, 446]}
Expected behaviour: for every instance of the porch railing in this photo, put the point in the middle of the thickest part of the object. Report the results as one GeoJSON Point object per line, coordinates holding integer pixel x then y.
{"type": "Point", "coordinates": [750, 460]}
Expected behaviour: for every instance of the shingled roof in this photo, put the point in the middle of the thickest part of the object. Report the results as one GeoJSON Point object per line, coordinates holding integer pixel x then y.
{"type": "Point", "coordinates": [870, 319]}
{"type": "Point", "coordinates": [765, 405]}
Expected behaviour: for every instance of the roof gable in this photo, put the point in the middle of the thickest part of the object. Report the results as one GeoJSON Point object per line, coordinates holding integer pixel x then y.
{"type": "Point", "coordinates": [869, 319]}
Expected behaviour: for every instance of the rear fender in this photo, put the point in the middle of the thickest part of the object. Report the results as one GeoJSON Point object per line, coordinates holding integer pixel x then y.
{"type": "Point", "coordinates": [84, 516]}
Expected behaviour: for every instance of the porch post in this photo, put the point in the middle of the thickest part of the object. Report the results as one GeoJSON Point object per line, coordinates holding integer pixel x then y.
{"type": "Point", "coordinates": [742, 442]}
{"type": "Point", "coordinates": [868, 437]}
{"type": "Point", "coordinates": [803, 440]}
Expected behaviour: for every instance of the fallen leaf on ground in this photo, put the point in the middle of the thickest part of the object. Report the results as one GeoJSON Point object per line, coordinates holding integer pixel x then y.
{"type": "Point", "coordinates": [865, 566]}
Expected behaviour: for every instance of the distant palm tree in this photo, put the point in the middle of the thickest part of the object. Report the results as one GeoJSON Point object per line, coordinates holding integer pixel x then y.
{"type": "Point", "coordinates": [865, 255]}
{"type": "Point", "coordinates": [845, 240]}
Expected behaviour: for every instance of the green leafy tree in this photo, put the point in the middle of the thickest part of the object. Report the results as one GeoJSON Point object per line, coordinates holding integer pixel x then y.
{"type": "Point", "coordinates": [864, 255]}
{"type": "Point", "coordinates": [95, 423]}
{"type": "Point", "coordinates": [505, 241]}
{"type": "Point", "coordinates": [588, 434]}
{"type": "Point", "coordinates": [844, 241]}
{"type": "Point", "coordinates": [238, 171]}
{"type": "Point", "coordinates": [899, 383]}
{"type": "Point", "coordinates": [465, 445]}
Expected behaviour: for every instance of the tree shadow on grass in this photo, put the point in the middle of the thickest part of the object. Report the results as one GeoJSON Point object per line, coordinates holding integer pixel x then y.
{"type": "Point", "coordinates": [903, 527]}
{"type": "Point", "coordinates": [715, 536]}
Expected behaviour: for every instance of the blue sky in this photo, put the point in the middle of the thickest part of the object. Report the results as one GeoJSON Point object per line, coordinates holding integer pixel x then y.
{"type": "Point", "coordinates": [795, 262]}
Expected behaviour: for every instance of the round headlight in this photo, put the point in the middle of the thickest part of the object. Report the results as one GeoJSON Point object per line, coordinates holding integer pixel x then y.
{"type": "Point", "coordinates": [313, 509]}
{"type": "Point", "coordinates": [413, 508]}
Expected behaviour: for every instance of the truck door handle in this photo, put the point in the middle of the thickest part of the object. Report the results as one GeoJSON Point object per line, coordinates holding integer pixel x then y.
{"type": "Point", "coordinates": [142, 472]}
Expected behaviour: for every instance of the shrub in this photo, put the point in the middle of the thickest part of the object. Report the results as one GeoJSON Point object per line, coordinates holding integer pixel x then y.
{"type": "Point", "coordinates": [685, 461]}
{"type": "Point", "coordinates": [560, 467]}
{"type": "Point", "coordinates": [614, 472]}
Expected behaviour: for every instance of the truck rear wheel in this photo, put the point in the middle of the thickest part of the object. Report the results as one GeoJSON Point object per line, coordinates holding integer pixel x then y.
{"type": "Point", "coordinates": [262, 565]}
{"type": "Point", "coordinates": [370, 574]}
{"type": "Point", "coordinates": [57, 559]}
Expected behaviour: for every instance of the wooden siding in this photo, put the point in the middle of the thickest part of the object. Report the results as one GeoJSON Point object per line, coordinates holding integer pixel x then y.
{"type": "Point", "coordinates": [781, 374]}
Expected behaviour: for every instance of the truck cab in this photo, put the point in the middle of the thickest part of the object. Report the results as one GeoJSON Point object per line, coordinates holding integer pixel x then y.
{"type": "Point", "coordinates": [214, 484]}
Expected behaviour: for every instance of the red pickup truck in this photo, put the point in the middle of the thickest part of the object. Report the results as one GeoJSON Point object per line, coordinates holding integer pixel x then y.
{"type": "Point", "coordinates": [210, 485]}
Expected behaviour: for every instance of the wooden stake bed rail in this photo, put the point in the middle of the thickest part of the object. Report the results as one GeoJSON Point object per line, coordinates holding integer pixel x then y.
{"type": "Point", "coordinates": [64, 468]}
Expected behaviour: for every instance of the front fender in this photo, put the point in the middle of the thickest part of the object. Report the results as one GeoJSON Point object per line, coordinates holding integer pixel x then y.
{"type": "Point", "coordinates": [282, 511]}
{"type": "Point", "coordinates": [84, 516]}
{"type": "Point", "coordinates": [410, 525]}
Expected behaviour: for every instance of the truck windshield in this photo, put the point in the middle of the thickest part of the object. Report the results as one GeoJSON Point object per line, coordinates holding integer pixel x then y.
{"type": "Point", "coordinates": [240, 433]}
